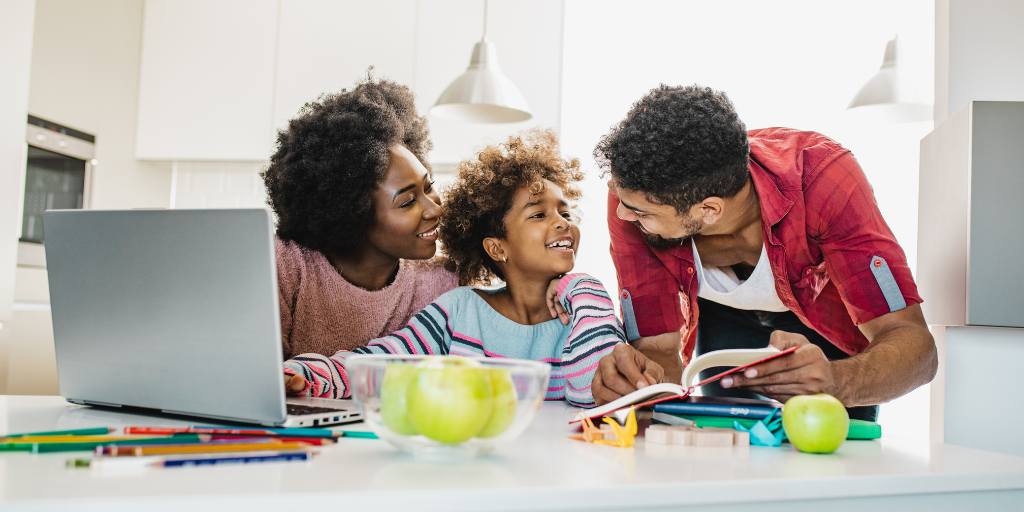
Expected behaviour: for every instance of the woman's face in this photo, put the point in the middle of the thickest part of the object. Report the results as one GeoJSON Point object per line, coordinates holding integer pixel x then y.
{"type": "Point", "coordinates": [406, 209]}
{"type": "Point", "coordinates": [541, 236]}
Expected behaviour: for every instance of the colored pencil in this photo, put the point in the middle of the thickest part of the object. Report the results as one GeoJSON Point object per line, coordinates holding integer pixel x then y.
{"type": "Point", "coordinates": [312, 441]}
{"type": "Point", "coordinates": [288, 432]}
{"type": "Point", "coordinates": [358, 434]}
{"type": "Point", "coordinates": [90, 446]}
{"type": "Point", "coordinates": [138, 451]}
{"type": "Point", "coordinates": [75, 439]}
{"type": "Point", "coordinates": [72, 432]}
{"type": "Point", "coordinates": [121, 463]}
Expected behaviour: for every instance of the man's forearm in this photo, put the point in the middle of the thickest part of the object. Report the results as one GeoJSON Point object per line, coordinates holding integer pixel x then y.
{"type": "Point", "coordinates": [663, 349]}
{"type": "Point", "coordinates": [897, 361]}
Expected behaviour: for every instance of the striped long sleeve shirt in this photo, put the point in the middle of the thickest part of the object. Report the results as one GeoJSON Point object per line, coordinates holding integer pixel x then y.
{"type": "Point", "coordinates": [460, 322]}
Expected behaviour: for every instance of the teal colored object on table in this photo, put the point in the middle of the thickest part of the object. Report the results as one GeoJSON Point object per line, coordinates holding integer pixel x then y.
{"type": "Point", "coordinates": [359, 434]}
{"type": "Point", "coordinates": [765, 432]}
{"type": "Point", "coordinates": [73, 432]}
{"type": "Point", "coordinates": [92, 445]}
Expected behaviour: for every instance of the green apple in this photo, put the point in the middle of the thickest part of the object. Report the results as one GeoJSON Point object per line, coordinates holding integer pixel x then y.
{"type": "Point", "coordinates": [504, 401]}
{"type": "Point", "coordinates": [815, 423]}
{"type": "Point", "coordinates": [450, 400]}
{"type": "Point", "coordinates": [393, 393]}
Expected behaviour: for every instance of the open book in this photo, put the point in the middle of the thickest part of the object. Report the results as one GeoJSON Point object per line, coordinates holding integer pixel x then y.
{"type": "Point", "coordinates": [740, 359]}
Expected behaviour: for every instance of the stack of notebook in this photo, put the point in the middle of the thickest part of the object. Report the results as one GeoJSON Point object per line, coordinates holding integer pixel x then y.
{"type": "Point", "coordinates": [705, 411]}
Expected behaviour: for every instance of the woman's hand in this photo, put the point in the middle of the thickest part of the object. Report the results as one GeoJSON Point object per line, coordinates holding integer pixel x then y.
{"type": "Point", "coordinates": [294, 385]}
{"type": "Point", "coordinates": [555, 305]}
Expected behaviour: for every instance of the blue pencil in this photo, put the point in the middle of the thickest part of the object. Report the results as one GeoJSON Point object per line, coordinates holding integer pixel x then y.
{"type": "Point", "coordinates": [178, 462]}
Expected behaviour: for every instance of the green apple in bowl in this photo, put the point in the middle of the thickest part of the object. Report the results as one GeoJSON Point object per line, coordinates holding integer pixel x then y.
{"type": "Point", "coordinates": [504, 403]}
{"type": "Point", "coordinates": [450, 400]}
{"type": "Point", "coordinates": [815, 423]}
{"type": "Point", "coordinates": [393, 398]}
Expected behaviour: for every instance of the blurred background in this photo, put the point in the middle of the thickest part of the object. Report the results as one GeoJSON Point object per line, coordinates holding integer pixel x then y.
{"type": "Point", "coordinates": [175, 103]}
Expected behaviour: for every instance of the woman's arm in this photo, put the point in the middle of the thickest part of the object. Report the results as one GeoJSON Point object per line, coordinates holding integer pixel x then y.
{"type": "Point", "coordinates": [426, 333]}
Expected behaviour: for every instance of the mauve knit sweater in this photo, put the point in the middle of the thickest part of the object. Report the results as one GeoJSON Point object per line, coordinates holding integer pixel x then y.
{"type": "Point", "coordinates": [321, 312]}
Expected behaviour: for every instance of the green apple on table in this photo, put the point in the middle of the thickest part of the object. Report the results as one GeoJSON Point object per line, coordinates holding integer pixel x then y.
{"type": "Point", "coordinates": [815, 423]}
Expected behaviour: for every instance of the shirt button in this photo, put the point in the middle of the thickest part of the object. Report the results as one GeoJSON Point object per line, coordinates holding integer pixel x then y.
{"type": "Point", "coordinates": [689, 270]}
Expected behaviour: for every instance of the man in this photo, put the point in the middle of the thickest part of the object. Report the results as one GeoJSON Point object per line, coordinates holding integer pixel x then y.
{"type": "Point", "coordinates": [727, 239]}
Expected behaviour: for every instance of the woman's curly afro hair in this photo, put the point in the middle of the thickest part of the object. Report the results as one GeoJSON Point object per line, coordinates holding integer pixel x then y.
{"type": "Point", "coordinates": [476, 204]}
{"type": "Point", "coordinates": [333, 155]}
{"type": "Point", "coordinates": [679, 145]}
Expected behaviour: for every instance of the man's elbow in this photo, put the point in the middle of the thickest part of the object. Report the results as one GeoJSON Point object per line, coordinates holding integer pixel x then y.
{"type": "Point", "coordinates": [932, 357]}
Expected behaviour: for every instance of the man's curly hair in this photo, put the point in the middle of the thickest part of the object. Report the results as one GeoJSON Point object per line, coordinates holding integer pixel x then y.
{"type": "Point", "coordinates": [331, 158]}
{"type": "Point", "coordinates": [476, 204]}
{"type": "Point", "coordinates": [679, 145]}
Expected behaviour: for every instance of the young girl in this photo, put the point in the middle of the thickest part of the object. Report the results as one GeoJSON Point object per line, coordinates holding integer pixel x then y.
{"type": "Point", "coordinates": [357, 218]}
{"type": "Point", "coordinates": [508, 216]}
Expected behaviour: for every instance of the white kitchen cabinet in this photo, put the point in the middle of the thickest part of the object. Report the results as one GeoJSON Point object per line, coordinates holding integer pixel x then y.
{"type": "Point", "coordinates": [327, 45]}
{"type": "Point", "coordinates": [206, 83]}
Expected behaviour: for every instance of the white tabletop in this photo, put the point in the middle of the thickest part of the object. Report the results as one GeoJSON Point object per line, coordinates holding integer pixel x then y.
{"type": "Point", "coordinates": [541, 470]}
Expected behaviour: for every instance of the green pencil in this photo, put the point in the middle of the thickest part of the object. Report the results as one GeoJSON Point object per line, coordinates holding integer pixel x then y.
{"type": "Point", "coordinates": [73, 432]}
{"type": "Point", "coordinates": [90, 446]}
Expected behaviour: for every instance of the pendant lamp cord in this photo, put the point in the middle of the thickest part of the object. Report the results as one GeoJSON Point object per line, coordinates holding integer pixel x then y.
{"type": "Point", "coordinates": [485, 19]}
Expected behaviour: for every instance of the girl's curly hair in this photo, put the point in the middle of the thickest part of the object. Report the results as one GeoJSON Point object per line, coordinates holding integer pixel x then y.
{"type": "Point", "coordinates": [476, 204]}
{"type": "Point", "coordinates": [333, 155]}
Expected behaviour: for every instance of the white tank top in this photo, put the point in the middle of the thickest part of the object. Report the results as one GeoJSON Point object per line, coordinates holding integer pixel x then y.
{"type": "Point", "coordinates": [720, 284]}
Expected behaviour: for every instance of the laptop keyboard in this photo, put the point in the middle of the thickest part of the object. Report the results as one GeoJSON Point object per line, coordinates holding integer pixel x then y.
{"type": "Point", "coordinates": [295, 409]}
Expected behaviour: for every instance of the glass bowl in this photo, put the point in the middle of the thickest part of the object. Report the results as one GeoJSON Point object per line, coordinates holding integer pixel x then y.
{"type": "Point", "coordinates": [447, 405]}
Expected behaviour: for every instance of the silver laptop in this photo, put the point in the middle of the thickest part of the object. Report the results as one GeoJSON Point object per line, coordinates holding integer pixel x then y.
{"type": "Point", "coordinates": [174, 311]}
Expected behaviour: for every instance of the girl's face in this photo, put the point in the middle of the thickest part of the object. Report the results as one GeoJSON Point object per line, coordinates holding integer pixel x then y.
{"type": "Point", "coordinates": [541, 235]}
{"type": "Point", "coordinates": [406, 209]}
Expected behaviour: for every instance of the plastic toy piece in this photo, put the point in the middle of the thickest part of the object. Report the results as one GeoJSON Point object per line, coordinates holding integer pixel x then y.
{"type": "Point", "coordinates": [611, 433]}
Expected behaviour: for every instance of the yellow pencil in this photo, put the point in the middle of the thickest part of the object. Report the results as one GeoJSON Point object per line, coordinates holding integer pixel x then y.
{"type": "Point", "coordinates": [138, 451]}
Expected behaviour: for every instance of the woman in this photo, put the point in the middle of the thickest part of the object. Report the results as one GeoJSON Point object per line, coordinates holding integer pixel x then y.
{"type": "Point", "coordinates": [357, 217]}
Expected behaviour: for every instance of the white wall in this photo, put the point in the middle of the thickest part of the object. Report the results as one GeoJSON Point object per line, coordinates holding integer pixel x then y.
{"type": "Point", "coordinates": [84, 74]}
{"type": "Point", "coordinates": [207, 79]}
{"type": "Point", "coordinates": [15, 59]}
{"type": "Point", "coordinates": [793, 64]}
{"type": "Point", "coordinates": [978, 53]}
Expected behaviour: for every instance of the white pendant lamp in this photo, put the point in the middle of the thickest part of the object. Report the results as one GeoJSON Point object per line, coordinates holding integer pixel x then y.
{"type": "Point", "coordinates": [482, 94]}
{"type": "Point", "coordinates": [882, 93]}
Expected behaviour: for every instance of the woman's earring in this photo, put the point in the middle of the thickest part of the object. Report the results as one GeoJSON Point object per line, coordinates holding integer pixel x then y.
{"type": "Point", "coordinates": [504, 259]}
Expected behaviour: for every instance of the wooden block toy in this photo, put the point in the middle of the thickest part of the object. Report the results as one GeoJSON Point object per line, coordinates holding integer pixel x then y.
{"type": "Point", "coordinates": [692, 436]}
{"type": "Point", "coordinates": [713, 437]}
{"type": "Point", "coordinates": [658, 434]}
{"type": "Point", "coordinates": [740, 438]}
{"type": "Point", "coordinates": [683, 436]}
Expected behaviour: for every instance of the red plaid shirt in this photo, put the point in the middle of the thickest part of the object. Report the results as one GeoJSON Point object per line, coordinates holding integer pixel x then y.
{"type": "Point", "coordinates": [835, 261]}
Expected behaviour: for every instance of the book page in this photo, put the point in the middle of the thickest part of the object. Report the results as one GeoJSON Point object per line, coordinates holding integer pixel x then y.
{"type": "Point", "coordinates": [640, 395]}
{"type": "Point", "coordinates": [728, 357]}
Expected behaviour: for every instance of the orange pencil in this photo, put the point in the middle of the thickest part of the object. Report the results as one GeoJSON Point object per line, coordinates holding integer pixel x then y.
{"type": "Point", "coordinates": [139, 451]}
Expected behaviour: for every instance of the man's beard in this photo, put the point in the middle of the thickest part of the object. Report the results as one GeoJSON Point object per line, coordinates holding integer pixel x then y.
{"type": "Point", "coordinates": [690, 226]}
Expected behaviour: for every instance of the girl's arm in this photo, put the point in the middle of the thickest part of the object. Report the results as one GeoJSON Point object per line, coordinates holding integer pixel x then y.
{"type": "Point", "coordinates": [426, 333]}
{"type": "Point", "coordinates": [594, 332]}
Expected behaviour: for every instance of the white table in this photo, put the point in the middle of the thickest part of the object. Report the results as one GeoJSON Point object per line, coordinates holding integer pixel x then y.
{"type": "Point", "coordinates": [541, 470]}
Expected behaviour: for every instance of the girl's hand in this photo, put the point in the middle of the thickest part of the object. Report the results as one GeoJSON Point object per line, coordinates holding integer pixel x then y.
{"type": "Point", "coordinates": [294, 385]}
{"type": "Point", "coordinates": [555, 305]}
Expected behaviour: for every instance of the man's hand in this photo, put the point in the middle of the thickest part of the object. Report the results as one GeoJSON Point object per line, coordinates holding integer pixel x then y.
{"type": "Point", "coordinates": [294, 385]}
{"type": "Point", "coordinates": [622, 372]}
{"type": "Point", "coordinates": [804, 372]}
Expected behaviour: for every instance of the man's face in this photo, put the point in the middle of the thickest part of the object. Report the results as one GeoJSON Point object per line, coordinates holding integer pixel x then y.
{"type": "Point", "coordinates": [662, 225]}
